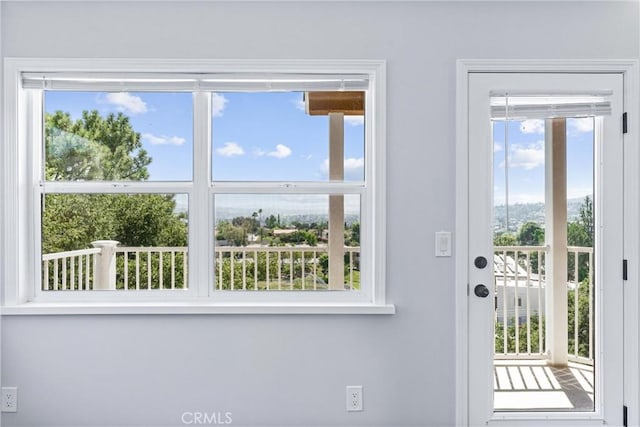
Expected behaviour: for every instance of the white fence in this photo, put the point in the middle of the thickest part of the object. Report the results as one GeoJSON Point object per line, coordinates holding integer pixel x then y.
{"type": "Point", "coordinates": [281, 268]}
{"type": "Point", "coordinates": [72, 270]}
{"type": "Point", "coordinates": [236, 268]}
{"type": "Point", "coordinates": [520, 282]}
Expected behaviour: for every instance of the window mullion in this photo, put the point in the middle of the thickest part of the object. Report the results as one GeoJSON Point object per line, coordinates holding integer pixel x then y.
{"type": "Point", "coordinates": [289, 188]}
{"type": "Point", "coordinates": [102, 187]}
{"type": "Point", "coordinates": [200, 217]}
{"type": "Point", "coordinates": [34, 131]}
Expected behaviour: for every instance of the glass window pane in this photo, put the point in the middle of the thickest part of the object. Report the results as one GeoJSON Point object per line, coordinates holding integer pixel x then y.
{"type": "Point", "coordinates": [283, 242]}
{"type": "Point", "coordinates": [114, 241]}
{"type": "Point", "coordinates": [118, 136]}
{"type": "Point", "coordinates": [523, 268]}
{"type": "Point", "coordinates": [271, 137]}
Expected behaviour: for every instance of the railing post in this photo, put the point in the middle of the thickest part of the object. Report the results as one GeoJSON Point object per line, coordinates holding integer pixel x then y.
{"type": "Point", "coordinates": [104, 265]}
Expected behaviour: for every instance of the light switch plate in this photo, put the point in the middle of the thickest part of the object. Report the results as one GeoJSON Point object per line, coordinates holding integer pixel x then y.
{"type": "Point", "coordinates": [443, 243]}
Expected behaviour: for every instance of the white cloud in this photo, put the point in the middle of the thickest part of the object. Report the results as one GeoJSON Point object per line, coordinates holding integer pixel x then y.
{"type": "Point", "coordinates": [281, 152]}
{"type": "Point", "coordinates": [127, 103]}
{"type": "Point", "coordinates": [162, 139]}
{"type": "Point", "coordinates": [527, 156]}
{"type": "Point", "coordinates": [218, 104]}
{"type": "Point", "coordinates": [352, 166]}
{"type": "Point", "coordinates": [354, 120]}
{"type": "Point", "coordinates": [230, 149]}
{"type": "Point", "coordinates": [532, 126]}
{"type": "Point", "coordinates": [300, 104]}
{"type": "Point", "coordinates": [497, 147]}
{"type": "Point", "coordinates": [582, 125]}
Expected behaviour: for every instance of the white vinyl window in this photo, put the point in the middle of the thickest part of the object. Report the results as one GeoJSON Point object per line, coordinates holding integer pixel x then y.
{"type": "Point", "coordinates": [205, 184]}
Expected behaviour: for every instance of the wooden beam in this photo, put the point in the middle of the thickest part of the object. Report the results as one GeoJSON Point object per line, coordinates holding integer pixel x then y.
{"type": "Point", "coordinates": [336, 202]}
{"type": "Point", "coordinates": [323, 103]}
{"type": "Point", "coordinates": [555, 234]}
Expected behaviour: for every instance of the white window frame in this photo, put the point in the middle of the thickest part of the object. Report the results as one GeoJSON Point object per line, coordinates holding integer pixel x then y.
{"type": "Point", "coordinates": [21, 253]}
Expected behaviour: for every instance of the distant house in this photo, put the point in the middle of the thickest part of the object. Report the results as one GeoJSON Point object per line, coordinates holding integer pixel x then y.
{"type": "Point", "coordinates": [285, 232]}
{"type": "Point", "coordinates": [522, 291]}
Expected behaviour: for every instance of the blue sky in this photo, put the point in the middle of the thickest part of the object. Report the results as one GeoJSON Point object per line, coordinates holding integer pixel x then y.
{"type": "Point", "coordinates": [526, 160]}
{"type": "Point", "coordinates": [268, 136]}
{"type": "Point", "coordinates": [256, 136]}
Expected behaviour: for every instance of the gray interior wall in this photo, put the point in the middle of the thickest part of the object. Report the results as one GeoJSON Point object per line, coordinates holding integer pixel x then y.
{"type": "Point", "coordinates": [281, 370]}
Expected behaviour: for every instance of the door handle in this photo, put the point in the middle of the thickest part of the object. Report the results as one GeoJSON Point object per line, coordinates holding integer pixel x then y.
{"type": "Point", "coordinates": [481, 291]}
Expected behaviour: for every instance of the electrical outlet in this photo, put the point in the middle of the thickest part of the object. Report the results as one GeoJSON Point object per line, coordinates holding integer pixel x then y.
{"type": "Point", "coordinates": [9, 399]}
{"type": "Point", "coordinates": [354, 398]}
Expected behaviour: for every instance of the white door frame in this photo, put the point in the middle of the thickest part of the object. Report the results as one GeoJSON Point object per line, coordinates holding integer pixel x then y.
{"type": "Point", "coordinates": [629, 69]}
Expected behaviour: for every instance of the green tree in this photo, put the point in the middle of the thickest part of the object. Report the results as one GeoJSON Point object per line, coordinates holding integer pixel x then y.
{"type": "Point", "coordinates": [586, 216]}
{"type": "Point", "coordinates": [580, 233]}
{"type": "Point", "coordinates": [249, 224]}
{"type": "Point", "coordinates": [271, 222]}
{"type": "Point", "coordinates": [73, 221]}
{"type": "Point", "coordinates": [504, 239]}
{"type": "Point", "coordinates": [584, 296]}
{"type": "Point", "coordinates": [93, 148]}
{"type": "Point", "coordinates": [149, 220]}
{"type": "Point", "coordinates": [536, 328]}
{"type": "Point", "coordinates": [103, 148]}
{"type": "Point", "coordinates": [530, 234]}
{"type": "Point", "coordinates": [300, 236]}
{"type": "Point", "coordinates": [311, 238]}
{"type": "Point", "coordinates": [355, 234]}
{"type": "Point", "coordinates": [235, 234]}
{"type": "Point", "coordinates": [254, 225]}
{"type": "Point", "coordinates": [260, 229]}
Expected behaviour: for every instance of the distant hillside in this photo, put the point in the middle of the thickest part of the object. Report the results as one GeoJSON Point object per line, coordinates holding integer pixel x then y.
{"type": "Point", "coordinates": [227, 214]}
{"type": "Point", "coordinates": [520, 213]}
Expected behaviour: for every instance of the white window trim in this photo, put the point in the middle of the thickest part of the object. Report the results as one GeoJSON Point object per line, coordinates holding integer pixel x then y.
{"type": "Point", "coordinates": [21, 255]}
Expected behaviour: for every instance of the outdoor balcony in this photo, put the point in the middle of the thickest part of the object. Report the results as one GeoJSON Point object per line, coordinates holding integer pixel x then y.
{"type": "Point", "coordinates": [523, 377]}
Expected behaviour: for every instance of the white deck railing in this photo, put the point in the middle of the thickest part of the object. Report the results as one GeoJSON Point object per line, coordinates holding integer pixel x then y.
{"type": "Point", "coordinates": [236, 268]}
{"type": "Point", "coordinates": [520, 280]}
{"type": "Point", "coordinates": [139, 268]}
{"type": "Point", "coordinates": [280, 268]}
{"type": "Point", "coordinates": [583, 334]}
{"type": "Point", "coordinates": [71, 270]}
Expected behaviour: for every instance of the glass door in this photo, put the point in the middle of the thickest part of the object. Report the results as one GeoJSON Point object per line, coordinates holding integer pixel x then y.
{"type": "Point", "coordinates": [545, 241]}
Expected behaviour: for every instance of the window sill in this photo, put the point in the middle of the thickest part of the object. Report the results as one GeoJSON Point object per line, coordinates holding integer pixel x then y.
{"type": "Point", "coordinates": [37, 309]}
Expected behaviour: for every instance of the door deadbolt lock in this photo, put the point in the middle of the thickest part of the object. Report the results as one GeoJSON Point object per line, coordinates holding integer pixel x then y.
{"type": "Point", "coordinates": [481, 291]}
{"type": "Point", "coordinates": [480, 262]}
